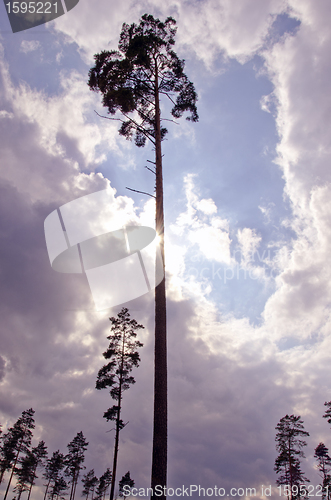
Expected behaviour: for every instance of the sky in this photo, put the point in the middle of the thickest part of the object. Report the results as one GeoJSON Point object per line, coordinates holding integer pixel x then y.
{"type": "Point", "coordinates": [248, 230]}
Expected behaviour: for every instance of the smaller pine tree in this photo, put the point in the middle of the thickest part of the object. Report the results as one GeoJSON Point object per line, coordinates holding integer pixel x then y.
{"type": "Point", "coordinates": [104, 483]}
{"type": "Point", "coordinates": [89, 482]}
{"type": "Point", "coordinates": [7, 451]}
{"type": "Point", "coordinates": [22, 435]}
{"type": "Point", "coordinates": [287, 464]}
{"type": "Point", "coordinates": [54, 467]}
{"type": "Point", "coordinates": [324, 468]}
{"type": "Point", "coordinates": [74, 460]}
{"type": "Point", "coordinates": [58, 488]}
{"type": "Point", "coordinates": [327, 413]}
{"type": "Point", "coordinates": [125, 484]}
{"type": "Point", "coordinates": [38, 456]}
{"type": "Point", "coordinates": [24, 474]}
{"type": "Point", "coordinates": [122, 355]}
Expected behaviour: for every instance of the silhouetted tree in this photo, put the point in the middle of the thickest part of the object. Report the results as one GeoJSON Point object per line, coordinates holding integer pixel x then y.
{"type": "Point", "coordinates": [132, 80]}
{"type": "Point", "coordinates": [327, 413]}
{"type": "Point", "coordinates": [324, 467]}
{"type": "Point", "coordinates": [59, 487]}
{"type": "Point", "coordinates": [24, 474]}
{"type": "Point", "coordinates": [22, 435]}
{"type": "Point", "coordinates": [104, 483]}
{"type": "Point", "coordinates": [74, 460]}
{"type": "Point", "coordinates": [289, 445]}
{"type": "Point", "coordinates": [54, 466]}
{"type": "Point", "coordinates": [37, 457]}
{"type": "Point", "coordinates": [89, 482]}
{"type": "Point", "coordinates": [8, 451]}
{"type": "Point", "coordinates": [123, 355]}
{"type": "Point", "coordinates": [125, 483]}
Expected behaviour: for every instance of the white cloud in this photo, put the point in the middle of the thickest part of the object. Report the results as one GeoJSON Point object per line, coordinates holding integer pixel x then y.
{"type": "Point", "coordinates": [6, 114]}
{"type": "Point", "coordinates": [205, 28]}
{"type": "Point", "coordinates": [249, 242]}
{"type": "Point", "coordinates": [300, 69]}
{"type": "Point", "coordinates": [29, 46]}
{"type": "Point", "coordinates": [267, 211]}
{"type": "Point", "coordinates": [201, 227]}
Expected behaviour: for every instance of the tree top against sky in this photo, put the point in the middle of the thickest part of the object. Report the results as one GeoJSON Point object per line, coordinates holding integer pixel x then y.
{"type": "Point", "coordinates": [144, 67]}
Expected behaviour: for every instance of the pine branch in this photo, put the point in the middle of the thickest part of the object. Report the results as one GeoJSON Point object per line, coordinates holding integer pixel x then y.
{"type": "Point", "coordinates": [153, 171]}
{"type": "Point", "coordinates": [141, 192]}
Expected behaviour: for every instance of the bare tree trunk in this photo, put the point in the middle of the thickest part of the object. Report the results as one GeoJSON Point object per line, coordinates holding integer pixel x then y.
{"type": "Point", "coordinates": [159, 456]}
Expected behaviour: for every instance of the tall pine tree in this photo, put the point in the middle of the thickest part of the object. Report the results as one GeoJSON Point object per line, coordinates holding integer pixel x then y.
{"type": "Point", "coordinates": [132, 81]}
{"type": "Point", "coordinates": [324, 468]}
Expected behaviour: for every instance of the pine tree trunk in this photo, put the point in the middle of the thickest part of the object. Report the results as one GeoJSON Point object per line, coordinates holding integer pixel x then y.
{"type": "Point", "coordinates": [46, 489]}
{"type": "Point", "coordinates": [291, 473]}
{"type": "Point", "coordinates": [76, 481]}
{"type": "Point", "coordinates": [72, 484]}
{"type": "Point", "coordinates": [2, 473]}
{"type": "Point", "coordinates": [117, 435]}
{"type": "Point", "coordinates": [13, 468]}
{"type": "Point", "coordinates": [32, 482]}
{"type": "Point", "coordinates": [112, 489]}
{"type": "Point", "coordinates": [30, 491]}
{"type": "Point", "coordinates": [159, 456]}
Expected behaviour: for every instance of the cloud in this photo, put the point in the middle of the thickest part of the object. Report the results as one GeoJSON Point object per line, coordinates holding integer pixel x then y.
{"type": "Point", "coordinates": [249, 242]}
{"type": "Point", "coordinates": [201, 227]}
{"type": "Point", "coordinates": [29, 45]}
{"type": "Point", "coordinates": [300, 307]}
{"type": "Point", "coordinates": [236, 30]}
{"type": "Point", "coordinates": [229, 381]}
{"type": "Point", "coordinates": [67, 131]}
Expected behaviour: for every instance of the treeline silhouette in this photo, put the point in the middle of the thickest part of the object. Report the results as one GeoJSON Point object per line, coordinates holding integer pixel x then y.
{"type": "Point", "coordinates": [60, 472]}
{"type": "Point", "coordinates": [21, 462]}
